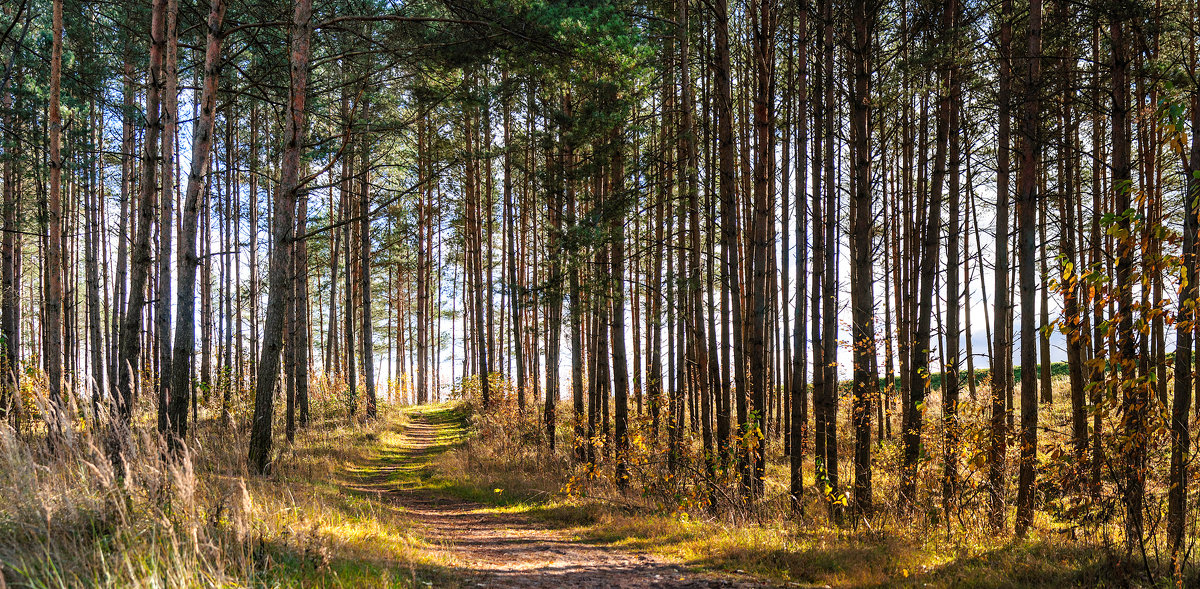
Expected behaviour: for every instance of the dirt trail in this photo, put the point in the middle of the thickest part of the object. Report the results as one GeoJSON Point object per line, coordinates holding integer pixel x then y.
{"type": "Point", "coordinates": [513, 550]}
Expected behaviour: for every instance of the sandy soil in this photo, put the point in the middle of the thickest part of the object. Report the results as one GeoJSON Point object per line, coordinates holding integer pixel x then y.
{"type": "Point", "coordinates": [513, 550]}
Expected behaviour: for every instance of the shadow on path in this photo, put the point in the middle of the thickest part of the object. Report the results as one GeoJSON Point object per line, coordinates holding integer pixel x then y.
{"type": "Point", "coordinates": [492, 549]}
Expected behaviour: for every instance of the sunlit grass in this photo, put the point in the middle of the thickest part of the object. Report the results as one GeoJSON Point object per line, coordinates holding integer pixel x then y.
{"type": "Point", "coordinates": [504, 465]}
{"type": "Point", "coordinates": [325, 517]}
{"type": "Point", "coordinates": [321, 518]}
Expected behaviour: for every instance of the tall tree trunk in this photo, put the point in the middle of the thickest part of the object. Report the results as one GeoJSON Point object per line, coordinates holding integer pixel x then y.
{"type": "Point", "coordinates": [764, 15]}
{"type": "Point", "coordinates": [346, 187]}
{"type": "Point", "coordinates": [698, 342]}
{"type": "Point", "coordinates": [862, 287]}
{"type": "Point", "coordinates": [368, 320]}
{"type": "Point", "coordinates": [577, 309]}
{"type": "Point", "coordinates": [1096, 303]}
{"type": "Point", "coordinates": [131, 332]}
{"type": "Point", "coordinates": [950, 374]}
{"type": "Point", "coordinates": [93, 198]}
{"type": "Point", "coordinates": [1001, 374]}
{"type": "Point", "coordinates": [162, 300]}
{"type": "Point", "coordinates": [301, 339]}
{"type": "Point", "coordinates": [1181, 441]}
{"type": "Point", "coordinates": [799, 389]}
{"type": "Point", "coordinates": [729, 219]}
{"type": "Point", "coordinates": [424, 220]}
{"type": "Point", "coordinates": [1133, 393]}
{"type": "Point", "coordinates": [474, 237]}
{"type": "Point", "coordinates": [120, 288]}
{"type": "Point", "coordinates": [1073, 317]}
{"type": "Point", "coordinates": [514, 287]}
{"type": "Point", "coordinates": [283, 226]}
{"type": "Point", "coordinates": [255, 281]}
{"type": "Point", "coordinates": [1027, 197]}
{"type": "Point", "coordinates": [818, 278]}
{"type": "Point", "coordinates": [54, 324]}
{"type": "Point", "coordinates": [202, 139]}
{"type": "Point", "coordinates": [620, 370]}
{"type": "Point", "coordinates": [553, 305]}
{"type": "Point", "coordinates": [10, 275]}
{"type": "Point", "coordinates": [929, 257]}
{"type": "Point", "coordinates": [827, 406]}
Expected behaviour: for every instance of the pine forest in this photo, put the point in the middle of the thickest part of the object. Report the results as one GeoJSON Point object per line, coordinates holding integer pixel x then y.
{"type": "Point", "coordinates": [599, 293]}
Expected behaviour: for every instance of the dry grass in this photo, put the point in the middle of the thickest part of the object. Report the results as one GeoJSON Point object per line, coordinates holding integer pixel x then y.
{"type": "Point", "coordinates": [67, 519]}
{"type": "Point", "coordinates": [901, 546]}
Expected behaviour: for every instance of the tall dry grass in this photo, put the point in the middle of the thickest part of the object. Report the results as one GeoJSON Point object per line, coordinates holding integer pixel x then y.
{"type": "Point", "coordinates": [1075, 541]}
{"type": "Point", "coordinates": [195, 518]}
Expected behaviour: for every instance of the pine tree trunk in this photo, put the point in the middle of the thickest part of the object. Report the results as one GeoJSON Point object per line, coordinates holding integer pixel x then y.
{"type": "Point", "coordinates": [514, 287]}
{"type": "Point", "coordinates": [127, 220]}
{"type": "Point", "coordinates": [368, 319]}
{"type": "Point", "coordinates": [620, 370]}
{"type": "Point", "coordinates": [10, 280]}
{"type": "Point", "coordinates": [862, 288]}
{"type": "Point", "coordinates": [1027, 205]}
{"type": "Point", "coordinates": [128, 362]}
{"type": "Point", "coordinates": [166, 223]}
{"type": "Point", "coordinates": [1181, 441]}
{"type": "Point", "coordinates": [301, 339]}
{"type": "Point", "coordinates": [252, 206]}
{"type": "Point", "coordinates": [1001, 373]}
{"type": "Point", "coordinates": [1133, 394]}
{"type": "Point", "coordinates": [93, 199]}
{"type": "Point", "coordinates": [54, 324]}
{"type": "Point", "coordinates": [929, 257]}
{"type": "Point", "coordinates": [202, 139]}
{"type": "Point", "coordinates": [553, 305]}
{"type": "Point", "coordinates": [282, 236]}
{"type": "Point", "coordinates": [799, 389]}
{"type": "Point", "coordinates": [951, 387]}
{"type": "Point", "coordinates": [765, 14]}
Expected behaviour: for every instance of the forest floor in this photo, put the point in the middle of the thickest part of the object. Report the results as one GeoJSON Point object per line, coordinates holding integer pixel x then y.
{"type": "Point", "coordinates": [492, 509]}
{"type": "Point", "coordinates": [491, 546]}
{"type": "Point", "coordinates": [410, 500]}
{"type": "Point", "coordinates": [417, 499]}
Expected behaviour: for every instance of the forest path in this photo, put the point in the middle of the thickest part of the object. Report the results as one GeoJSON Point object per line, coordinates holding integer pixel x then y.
{"type": "Point", "coordinates": [492, 548]}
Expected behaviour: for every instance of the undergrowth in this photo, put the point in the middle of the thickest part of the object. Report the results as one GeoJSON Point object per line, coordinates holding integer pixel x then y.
{"type": "Point", "coordinates": [506, 462]}
{"type": "Point", "coordinates": [68, 518]}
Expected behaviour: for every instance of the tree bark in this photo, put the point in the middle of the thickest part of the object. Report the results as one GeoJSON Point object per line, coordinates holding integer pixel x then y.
{"type": "Point", "coordinates": [951, 387]}
{"type": "Point", "coordinates": [514, 287]}
{"type": "Point", "coordinates": [368, 320]}
{"type": "Point", "coordinates": [799, 388]}
{"type": "Point", "coordinates": [862, 288]}
{"type": "Point", "coordinates": [166, 224]}
{"type": "Point", "coordinates": [1027, 197]}
{"type": "Point", "coordinates": [283, 226]}
{"type": "Point", "coordinates": [54, 324]}
{"type": "Point", "coordinates": [929, 257]}
{"type": "Point", "coordinates": [202, 139]}
{"type": "Point", "coordinates": [131, 332]}
{"type": "Point", "coordinates": [1185, 326]}
{"type": "Point", "coordinates": [764, 15]}
{"type": "Point", "coordinates": [620, 370]}
{"type": "Point", "coordinates": [1001, 373]}
{"type": "Point", "coordinates": [10, 275]}
{"type": "Point", "coordinates": [1133, 393]}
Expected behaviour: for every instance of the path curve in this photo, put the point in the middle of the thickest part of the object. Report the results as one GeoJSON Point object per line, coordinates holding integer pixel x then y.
{"type": "Point", "coordinates": [513, 550]}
